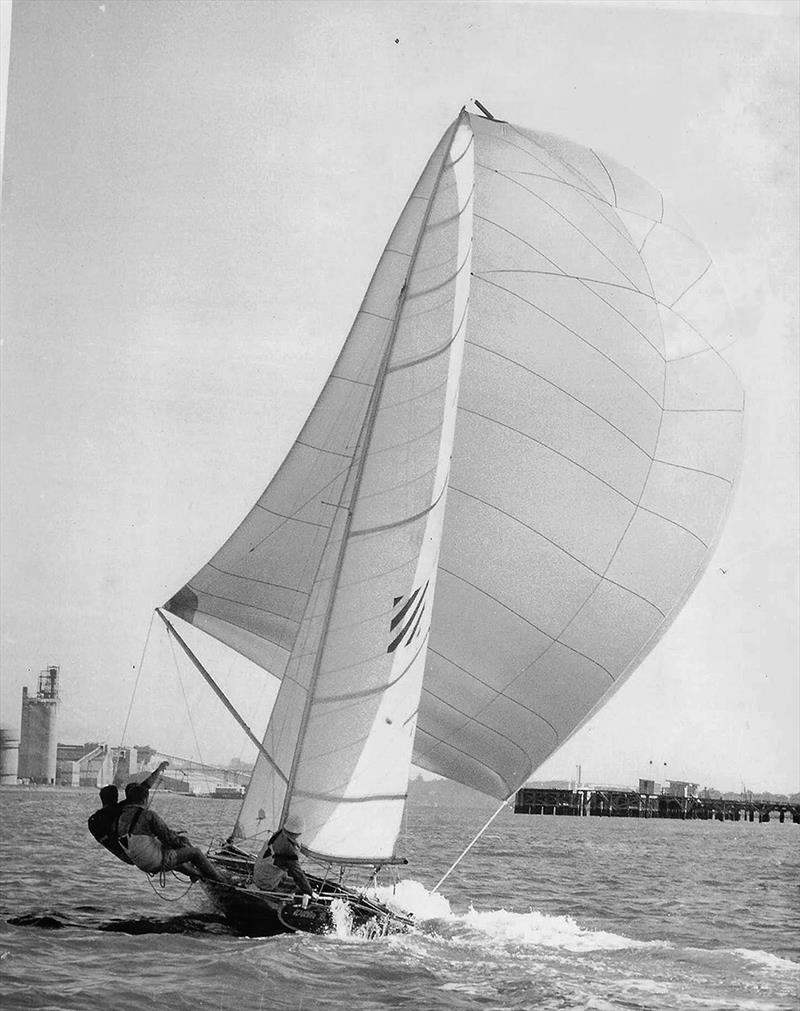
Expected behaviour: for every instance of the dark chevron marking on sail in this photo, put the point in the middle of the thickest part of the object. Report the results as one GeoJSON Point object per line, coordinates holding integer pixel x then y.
{"type": "Point", "coordinates": [404, 609]}
{"type": "Point", "coordinates": [416, 604]}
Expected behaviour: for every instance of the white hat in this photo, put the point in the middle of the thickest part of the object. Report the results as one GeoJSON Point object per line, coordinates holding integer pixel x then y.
{"type": "Point", "coordinates": [294, 824]}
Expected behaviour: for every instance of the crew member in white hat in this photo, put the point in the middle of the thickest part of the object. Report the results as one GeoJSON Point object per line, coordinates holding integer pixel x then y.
{"type": "Point", "coordinates": [285, 848]}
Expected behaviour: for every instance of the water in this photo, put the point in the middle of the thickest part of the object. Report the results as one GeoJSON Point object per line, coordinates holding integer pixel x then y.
{"type": "Point", "coordinates": [545, 913]}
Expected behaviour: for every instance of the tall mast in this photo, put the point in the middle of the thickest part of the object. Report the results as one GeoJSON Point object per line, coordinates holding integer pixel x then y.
{"type": "Point", "coordinates": [364, 438]}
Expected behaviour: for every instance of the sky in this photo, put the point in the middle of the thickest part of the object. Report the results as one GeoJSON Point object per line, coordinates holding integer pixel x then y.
{"type": "Point", "coordinates": [194, 198]}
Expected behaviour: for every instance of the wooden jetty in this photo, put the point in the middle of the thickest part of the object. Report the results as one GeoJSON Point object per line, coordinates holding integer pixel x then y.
{"type": "Point", "coordinates": [620, 803]}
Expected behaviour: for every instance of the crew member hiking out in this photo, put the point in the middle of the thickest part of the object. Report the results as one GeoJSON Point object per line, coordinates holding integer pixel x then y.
{"type": "Point", "coordinates": [152, 845]}
{"type": "Point", "coordinates": [103, 823]}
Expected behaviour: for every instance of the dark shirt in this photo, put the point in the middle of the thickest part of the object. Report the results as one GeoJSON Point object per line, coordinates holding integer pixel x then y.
{"type": "Point", "coordinates": [103, 826]}
{"type": "Point", "coordinates": [284, 847]}
{"type": "Point", "coordinates": [148, 823]}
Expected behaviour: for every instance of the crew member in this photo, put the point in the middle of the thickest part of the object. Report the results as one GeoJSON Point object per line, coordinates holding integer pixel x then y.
{"type": "Point", "coordinates": [103, 823]}
{"type": "Point", "coordinates": [284, 846]}
{"type": "Point", "coordinates": [152, 845]}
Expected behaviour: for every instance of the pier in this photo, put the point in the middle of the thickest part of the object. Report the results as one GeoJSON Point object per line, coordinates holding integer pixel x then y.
{"type": "Point", "coordinates": [620, 803]}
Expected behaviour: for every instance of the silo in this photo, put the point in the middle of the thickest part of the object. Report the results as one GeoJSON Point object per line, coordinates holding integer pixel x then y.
{"type": "Point", "coordinates": [9, 756]}
{"type": "Point", "coordinates": [37, 739]}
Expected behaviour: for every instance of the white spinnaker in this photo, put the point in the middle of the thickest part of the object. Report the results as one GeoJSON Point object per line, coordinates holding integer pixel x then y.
{"type": "Point", "coordinates": [597, 442]}
{"type": "Point", "coordinates": [342, 729]}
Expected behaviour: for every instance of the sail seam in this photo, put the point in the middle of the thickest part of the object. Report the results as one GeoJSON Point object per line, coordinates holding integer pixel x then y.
{"type": "Point", "coordinates": [366, 692]}
{"type": "Point", "coordinates": [359, 663]}
{"type": "Point", "coordinates": [322, 449]}
{"type": "Point", "coordinates": [613, 187]}
{"type": "Point", "coordinates": [572, 224]}
{"type": "Point", "coordinates": [497, 600]}
{"type": "Point", "coordinates": [453, 217]}
{"type": "Point", "coordinates": [628, 525]}
{"type": "Point", "coordinates": [591, 473]}
{"type": "Point", "coordinates": [726, 364]}
{"type": "Point", "coordinates": [703, 410]}
{"type": "Point", "coordinates": [552, 449]}
{"type": "Point", "coordinates": [558, 176]}
{"type": "Point", "coordinates": [412, 400]}
{"type": "Point", "coordinates": [650, 231]}
{"type": "Point", "coordinates": [293, 519]}
{"type": "Point", "coordinates": [559, 159]}
{"type": "Point", "coordinates": [252, 579]}
{"type": "Point", "coordinates": [480, 723]}
{"type": "Point", "coordinates": [440, 741]}
{"type": "Point", "coordinates": [586, 194]}
{"type": "Point", "coordinates": [335, 799]}
{"type": "Point", "coordinates": [584, 282]}
{"type": "Point", "coordinates": [559, 547]}
{"type": "Point", "coordinates": [433, 354]}
{"type": "Point", "coordinates": [348, 379]}
{"type": "Point", "coordinates": [242, 603]}
{"type": "Point", "coordinates": [561, 389]}
{"type": "Point", "coordinates": [551, 642]}
{"type": "Point", "coordinates": [294, 516]}
{"type": "Point", "coordinates": [498, 692]}
{"type": "Point", "coordinates": [496, 224]}
{"type": "Point", "coordinates": [569, 329]}
{"type": "Point", "coordinates": [553, 179]}
{"type": "Point", "coordinates": [442, 284]}
{"type": "Point", "coordinates": [689, 287]}
{"type": "Point", "coordinates": [408, 519]}
{"type": "Point", "coordinates": [377, 315]}
{"type": "Point", "coordinates": [695, 470]}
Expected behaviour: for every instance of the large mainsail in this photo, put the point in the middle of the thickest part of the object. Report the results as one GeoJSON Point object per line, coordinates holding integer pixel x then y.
{"type": "Point", "coordinates": [597, 439]}
{"type": "Point", "coordinates": [338, 746]}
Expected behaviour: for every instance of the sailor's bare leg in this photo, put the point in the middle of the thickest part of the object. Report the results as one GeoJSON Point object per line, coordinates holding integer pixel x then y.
{"type": "Point", "coordinates": [196, 860]}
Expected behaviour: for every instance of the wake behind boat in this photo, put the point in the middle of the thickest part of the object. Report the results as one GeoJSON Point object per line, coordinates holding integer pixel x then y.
{"type": "Point", "coordinates": [510, 484]}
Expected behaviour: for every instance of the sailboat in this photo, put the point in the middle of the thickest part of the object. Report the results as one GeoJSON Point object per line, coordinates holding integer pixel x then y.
{"type": "Point", "coordinates": [507, 489]}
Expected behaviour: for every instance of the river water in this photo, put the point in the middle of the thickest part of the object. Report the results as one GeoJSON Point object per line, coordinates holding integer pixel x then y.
{"type": "Point", "coordinates": [544, 913]}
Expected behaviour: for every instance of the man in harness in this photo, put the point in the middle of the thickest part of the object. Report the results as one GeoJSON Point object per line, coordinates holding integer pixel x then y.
{"type": "Point", "coordinates": [138, 836]}
{"type": "Point", "coordinates": [152, 845]}
{"type": "Point", "coordinates": [103, 823]}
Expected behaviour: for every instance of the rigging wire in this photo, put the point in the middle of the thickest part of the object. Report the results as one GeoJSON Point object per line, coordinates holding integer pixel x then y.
{"type": "Point", "coordinates": [185, 699]}
{"type": "Point", "coordinates": [133, 696]}
{"type": "Point", "coordinates": [458, 860]}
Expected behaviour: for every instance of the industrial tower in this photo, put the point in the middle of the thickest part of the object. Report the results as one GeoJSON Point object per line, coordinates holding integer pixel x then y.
{"type": "Point", "coordinates": [37, 737]}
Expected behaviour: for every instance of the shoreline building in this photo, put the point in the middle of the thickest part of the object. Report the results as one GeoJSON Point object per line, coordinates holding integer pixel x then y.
{"type": "Point", "coordinates": [37, 736]}
{"type": "Point", "coordinates": [9, 756]}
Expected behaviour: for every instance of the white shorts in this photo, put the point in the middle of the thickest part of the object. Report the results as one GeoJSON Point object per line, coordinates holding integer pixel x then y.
{"type": "Point", "coordinates": [148, 854]}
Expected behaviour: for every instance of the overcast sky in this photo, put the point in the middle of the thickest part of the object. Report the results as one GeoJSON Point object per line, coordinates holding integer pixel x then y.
{"type": "Point", "coordinates": [194, 198]}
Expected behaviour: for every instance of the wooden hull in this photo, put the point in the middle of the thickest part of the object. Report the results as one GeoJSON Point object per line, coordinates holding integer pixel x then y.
{"type": "Point", "coordinates": [264, 914]}
{"type": "Point", "coordinates": [258, 915]}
